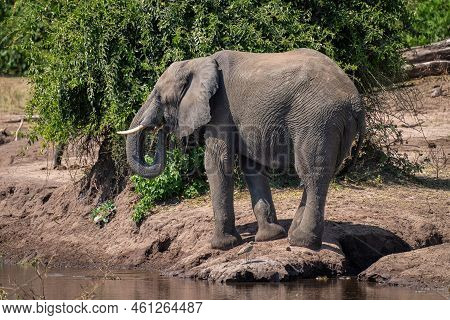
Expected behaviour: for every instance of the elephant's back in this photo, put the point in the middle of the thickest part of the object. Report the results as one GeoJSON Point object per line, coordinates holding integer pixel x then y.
{"type": "Point", "coordinates": [294, 70]}
{"type": "Point", "coordinates": [323, 73]}
{"type": "Point", "coordinates": [275, 83]}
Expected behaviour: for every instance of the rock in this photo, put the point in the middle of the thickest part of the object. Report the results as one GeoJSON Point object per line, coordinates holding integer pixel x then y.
{"type": "Point", "coordinates": [271, 262]}
{"type": "Point", "coordinates": [436, 92]}
{"type": "Point", "coordinates": [347, 249]}
{"type": "Point", "coordinates": [423, 268]}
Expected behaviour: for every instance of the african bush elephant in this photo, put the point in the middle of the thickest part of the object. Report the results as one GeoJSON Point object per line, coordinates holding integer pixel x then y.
{"type": "Point", "coordinates": [259, 106]}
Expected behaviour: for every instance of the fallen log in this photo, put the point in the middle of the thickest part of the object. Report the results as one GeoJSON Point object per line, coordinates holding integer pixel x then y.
{"type": "Point", "coordinates": [435, 51]}
{"type": "Point", "coordinates": [21, 118]}
{"type": "Point", "coordinates": [428, 60]}
{"type": "Point", "coordinates": [430, 68]}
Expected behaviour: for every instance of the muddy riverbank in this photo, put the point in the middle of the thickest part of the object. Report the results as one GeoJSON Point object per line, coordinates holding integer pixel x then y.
{"type": "Point", "coordinates": [53, 222]}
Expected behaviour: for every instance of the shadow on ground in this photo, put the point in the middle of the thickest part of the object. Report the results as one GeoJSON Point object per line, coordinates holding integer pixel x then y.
{"type": "Point", "coordinates": [361, 244]}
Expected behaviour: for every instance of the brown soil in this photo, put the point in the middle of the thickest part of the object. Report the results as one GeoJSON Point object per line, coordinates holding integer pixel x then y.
{"type": "Point", "coordinates": [427, 267]}
{"type": "Point", "coordinates": [43, 214]}
{"type": "Point", "coordinates": [433, 115]}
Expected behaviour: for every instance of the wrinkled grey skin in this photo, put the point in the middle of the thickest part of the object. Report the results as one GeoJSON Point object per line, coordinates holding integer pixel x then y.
{"type": "Point", "coordinates": [251, 104]}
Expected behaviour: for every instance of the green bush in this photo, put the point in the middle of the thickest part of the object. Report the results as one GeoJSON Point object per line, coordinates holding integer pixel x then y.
{"type": "Point", "coordinates": [23, 26]}
{"type": "Point", "coordinates": [430, 22]}
{"type": "Point", "coordinates": [97, 60]}
{"type": "Point", "coordinates": [183, 176]}
{"type": "Point", "coordinates": [11, 59]}
{"type": "Point", "coordinates": [103, 213]}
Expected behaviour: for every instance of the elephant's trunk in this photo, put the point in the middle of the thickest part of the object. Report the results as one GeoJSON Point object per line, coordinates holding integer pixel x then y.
{"type": "Point", "coordinates": [147, 118]}
{"type": "Point", "coordinates": [136, 153]}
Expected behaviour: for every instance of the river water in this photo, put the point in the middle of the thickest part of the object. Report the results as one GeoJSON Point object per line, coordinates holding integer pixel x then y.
{"type": "Point", "coordinates": [23, 282]}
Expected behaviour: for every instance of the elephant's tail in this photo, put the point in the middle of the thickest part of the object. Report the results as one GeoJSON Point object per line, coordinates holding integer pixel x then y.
{"type": "Point", "coordinates": [361, 120]}
{"type": "Point", "coordinates": [359, 114]}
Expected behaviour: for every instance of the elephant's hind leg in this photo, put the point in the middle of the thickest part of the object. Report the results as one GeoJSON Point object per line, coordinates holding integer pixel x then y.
{"type": "Point", "coordinates": [219, 169]}
{"type": "Point", "coordinates": [315, 163]}
{"type": "Point", "coordinates": [262, 204]}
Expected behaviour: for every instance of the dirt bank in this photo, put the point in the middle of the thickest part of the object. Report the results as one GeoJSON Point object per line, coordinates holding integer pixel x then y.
{"type": "Point", "coordinates": [362, 225]}
{"type": "Point", "coordinates": [423, 268]}
{"type": "Point", "coordinates": [43, 214]}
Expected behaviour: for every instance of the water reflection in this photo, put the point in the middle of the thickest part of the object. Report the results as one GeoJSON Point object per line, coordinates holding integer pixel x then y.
{"type": "Point", "coordinates": [71, 284]}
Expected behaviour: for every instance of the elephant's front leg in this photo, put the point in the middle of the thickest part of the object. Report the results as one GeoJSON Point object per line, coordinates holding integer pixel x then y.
{"type": "Point", "coordinates": [219, 169]}
{"type": "Point", "coordinates": [262, 204]}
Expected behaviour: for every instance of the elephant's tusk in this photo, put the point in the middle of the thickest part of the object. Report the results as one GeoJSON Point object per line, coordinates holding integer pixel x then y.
{"type": "Point", "coordinates": [138, 128]}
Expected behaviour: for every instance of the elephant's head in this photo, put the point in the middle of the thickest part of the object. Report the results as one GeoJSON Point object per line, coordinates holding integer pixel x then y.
{"type": "Point", "coordinates": [179, 102]}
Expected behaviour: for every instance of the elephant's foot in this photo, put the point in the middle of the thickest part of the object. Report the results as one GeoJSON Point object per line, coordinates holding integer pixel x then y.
{"type": "Point", "coordinates": [270, 231]}
{"type": "Point", "coordinates": [225, 241]}
{"type": "Point", "coordinates": [299, 238]}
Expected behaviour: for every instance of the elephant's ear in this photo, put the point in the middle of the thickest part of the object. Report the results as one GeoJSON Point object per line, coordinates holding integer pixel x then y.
{"type": "Point", "coordinates": [202, 83]}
